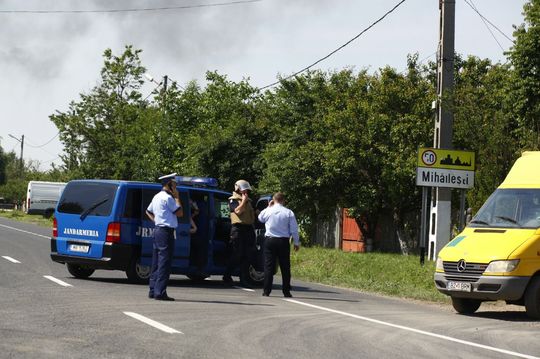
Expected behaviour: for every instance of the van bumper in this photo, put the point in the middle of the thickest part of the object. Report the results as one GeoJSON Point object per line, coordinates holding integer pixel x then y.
{"type": "Point", "coordinates": [115, 256]}
{"type": "Point", "coordinates": [487, 287]}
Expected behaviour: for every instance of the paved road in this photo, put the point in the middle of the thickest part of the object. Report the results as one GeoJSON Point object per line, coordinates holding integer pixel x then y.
{"type": "Point", "coordinates": [105, 317]}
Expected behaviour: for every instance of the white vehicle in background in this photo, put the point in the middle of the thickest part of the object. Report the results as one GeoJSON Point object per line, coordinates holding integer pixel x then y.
{"type": "Point", "coordinates": [42, 197]}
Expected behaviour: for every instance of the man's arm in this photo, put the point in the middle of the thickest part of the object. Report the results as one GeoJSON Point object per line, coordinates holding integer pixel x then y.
{"type": "Point", "coordinates": [150, 215]}
{"type": "Point", "coordinates": [241, 208]}
{"type": "Point", "coordinates": [293, 228]}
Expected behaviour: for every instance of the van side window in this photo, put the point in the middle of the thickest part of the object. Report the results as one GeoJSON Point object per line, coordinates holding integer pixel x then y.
{"type": "Point", "coordinates": [133, 207]}
{"type": "Point", "coordinates": [221, 207]}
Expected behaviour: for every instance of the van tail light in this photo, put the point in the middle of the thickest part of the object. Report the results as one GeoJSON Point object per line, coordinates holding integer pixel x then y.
{"type": "Point", "coordinates": [55, 228]}
{"type": "Point", "coordinates": [113, 233]}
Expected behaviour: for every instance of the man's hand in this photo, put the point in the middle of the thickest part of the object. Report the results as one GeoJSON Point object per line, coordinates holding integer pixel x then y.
{"type": "Point", "coordinates": [175, 193]}
{"type": "Point", "coordinates": [296, 247]}
{"type": "Point", "coordinates": [244, 196]}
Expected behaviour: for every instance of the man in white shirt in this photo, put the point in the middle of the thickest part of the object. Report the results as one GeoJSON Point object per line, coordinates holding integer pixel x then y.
{"type": "Point", "coordinates": [281, 225]}
{"type": "Point", "coordinates": [163, 211]}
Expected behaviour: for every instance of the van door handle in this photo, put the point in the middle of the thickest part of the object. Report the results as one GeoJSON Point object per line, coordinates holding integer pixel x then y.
{"type": "Point", "coordinates": [183, 233]}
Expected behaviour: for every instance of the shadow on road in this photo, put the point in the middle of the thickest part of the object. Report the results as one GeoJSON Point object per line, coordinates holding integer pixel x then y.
{"type": "Point", "coordinates": [328, 299]}
{"type": "Point", "coordinates": [224, 302]}
{"type": "Point", "coordinates": [509, 316]}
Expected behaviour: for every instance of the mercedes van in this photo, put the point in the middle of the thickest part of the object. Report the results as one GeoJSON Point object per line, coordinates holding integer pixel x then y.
{"type": "Point", "coordinates": [101, 224]}
{"type": "Point", "coordinates": [497, 256]}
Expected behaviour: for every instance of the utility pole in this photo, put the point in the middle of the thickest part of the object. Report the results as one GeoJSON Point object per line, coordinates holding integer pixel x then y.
{"type": "Point", "coordinates": [441, 205]}
{"type": "Point", "coordinates": [21, 164]}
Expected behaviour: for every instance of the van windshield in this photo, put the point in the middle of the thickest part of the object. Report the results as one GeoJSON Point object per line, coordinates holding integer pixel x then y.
{"type": "Point", "coordinates": [519, 208]}
{"type": "Point", "coordinates": [80, 197]}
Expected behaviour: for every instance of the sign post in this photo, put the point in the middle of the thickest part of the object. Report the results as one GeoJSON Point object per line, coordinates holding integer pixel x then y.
{"type": "Point", "coordinates": [441, 168]}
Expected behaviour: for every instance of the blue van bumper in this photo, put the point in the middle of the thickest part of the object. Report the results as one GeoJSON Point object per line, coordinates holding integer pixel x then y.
{"type": "Point", "coordinates": [115, 256]}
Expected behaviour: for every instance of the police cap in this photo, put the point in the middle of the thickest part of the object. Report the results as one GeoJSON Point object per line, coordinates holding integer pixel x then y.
{"type": "Point", "coordinates": [167, 178]}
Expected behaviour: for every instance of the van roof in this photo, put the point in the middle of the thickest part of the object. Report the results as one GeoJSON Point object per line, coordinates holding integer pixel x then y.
{"type": "Point", "coordinates": [525, 173]}
{"type": "Point", "coordinates": [119, 182]}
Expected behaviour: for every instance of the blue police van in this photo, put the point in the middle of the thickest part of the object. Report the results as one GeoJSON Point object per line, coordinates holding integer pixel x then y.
{"type": "Point", "coordinates": [101, 224]}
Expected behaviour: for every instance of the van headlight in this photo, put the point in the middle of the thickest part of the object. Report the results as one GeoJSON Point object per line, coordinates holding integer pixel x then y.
{"type": "Point", "coordinates": [502, 266]}
{"type": "Point", "coordinates": [439, 265]}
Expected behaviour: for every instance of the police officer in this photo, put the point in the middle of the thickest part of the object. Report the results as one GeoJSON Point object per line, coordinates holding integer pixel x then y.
{"type": "Point", "coordinates": [242, 232]}
{"type": "Point", "coordinates": [281, 225]}
{"type": "Point", "coordinates": [163, 211]}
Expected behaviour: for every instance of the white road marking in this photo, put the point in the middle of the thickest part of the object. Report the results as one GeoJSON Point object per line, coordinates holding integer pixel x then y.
{"type": "Point", "coordinates": [12, 260]}
{"type": "Point", "coordinates": [27, 232]}
{"type": "Point", "coordinates": [439, 336]}
{"type": "Point", "coordinates": [246, 289]}
{"type": "Point", "coordinates": [153, 323]}
{"type": "Point", "coordinates": [57, 281]}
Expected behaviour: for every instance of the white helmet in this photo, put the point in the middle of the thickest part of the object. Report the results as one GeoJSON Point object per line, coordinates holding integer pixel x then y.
{"type": "Point", "coordinates": [242, 185]}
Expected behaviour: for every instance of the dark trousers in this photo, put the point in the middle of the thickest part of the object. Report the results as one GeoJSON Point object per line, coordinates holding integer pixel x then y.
{"type": "Point", "coordinates": [277, 248]}
{"type": "Point", "coordinates": [161, 260]}
{"type": "Point", "coordinates": [241, 242]}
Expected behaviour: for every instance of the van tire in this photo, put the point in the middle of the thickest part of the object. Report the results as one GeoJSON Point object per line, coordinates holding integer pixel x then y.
{"type": "Point", "coordinates": [137, 273]}
{"type": "Point", "coordinates": [532, 298]}
{"type": "Point", "coordinates": [255, 277]}
{"type": "Point", "coordinates": [466, 305]}
{"type": "Point", "coordinates": [79, 272]}
{"type": "Point", "coordinates": [48, 213]}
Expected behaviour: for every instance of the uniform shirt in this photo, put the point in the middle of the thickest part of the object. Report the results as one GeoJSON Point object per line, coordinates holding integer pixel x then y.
{"type": "Point", "coordinates": [280, 222]}
{"type": "Point", "coordinates": [164, 208]}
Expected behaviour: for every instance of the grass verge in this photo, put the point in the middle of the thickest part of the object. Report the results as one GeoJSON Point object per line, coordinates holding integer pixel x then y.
{"type": "Point", "coordinates": [28, 218]}
{"type": "Point", "coordinates": [389, 274]}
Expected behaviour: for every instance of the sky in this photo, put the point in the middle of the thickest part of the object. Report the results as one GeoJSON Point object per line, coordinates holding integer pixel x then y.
{"type": "Point", "coordinates": [48, 59]}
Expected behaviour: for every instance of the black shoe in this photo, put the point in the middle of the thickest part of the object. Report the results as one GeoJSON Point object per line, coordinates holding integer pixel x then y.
{"type": "Point", "coordinates": [287, 294]}
{"type": "Point", "coordinates": [266, 294]}
{"type": "Point", "coordinates": [151, 295]}
{"type": "Point", "coordinates": [165, 298]}
{"type": "Point", "coordinates": [227, 279]}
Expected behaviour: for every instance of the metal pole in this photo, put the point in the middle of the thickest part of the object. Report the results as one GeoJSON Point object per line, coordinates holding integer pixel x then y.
{"type": "Point", "coordinates": [440, 227]}
{"type": "Point", "coordinates": [423, 224]}
{"type": "Point", "coordinates": [21, 161]}
{"type": "Point", "coordinates": [462, 210]}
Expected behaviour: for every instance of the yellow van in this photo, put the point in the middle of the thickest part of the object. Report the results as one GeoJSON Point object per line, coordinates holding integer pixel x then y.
{"type": "Point", "coordinates": [497, 256]}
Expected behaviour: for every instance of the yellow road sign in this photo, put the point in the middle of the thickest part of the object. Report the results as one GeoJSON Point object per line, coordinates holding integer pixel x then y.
{"type": "Point", "coordinates": [446, 159]}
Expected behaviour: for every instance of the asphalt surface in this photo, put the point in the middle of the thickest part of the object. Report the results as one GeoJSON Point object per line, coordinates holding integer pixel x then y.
{"type": "Point", "coordinates": [106, 317]}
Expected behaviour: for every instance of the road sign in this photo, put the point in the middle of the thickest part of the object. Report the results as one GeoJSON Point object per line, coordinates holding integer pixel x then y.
{"type": "Point", "coordinates": [445, 168]}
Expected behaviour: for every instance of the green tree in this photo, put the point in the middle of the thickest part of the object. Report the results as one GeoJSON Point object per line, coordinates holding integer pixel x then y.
{"type": "Point", "coordinates": [106, 134]}
{"type": "Point", "coordinates": [525, 84]}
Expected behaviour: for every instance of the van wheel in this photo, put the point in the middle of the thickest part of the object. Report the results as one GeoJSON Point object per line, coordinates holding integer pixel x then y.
{"type": "Point", "coordinates": [79, 272]}
{"type": "Point", "coordinates": [138, 273]}
{"type": "Point", "coordinates": [255, 277]}
{"type": "Point", "coordinates": [466, 305]}
{"type": "Point", "coordinates": [48, 213]}
{"type": "Point", "coordinates": [532, 298]}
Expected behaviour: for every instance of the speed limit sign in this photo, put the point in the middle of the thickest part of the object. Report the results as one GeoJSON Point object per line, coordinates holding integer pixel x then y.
{"type": "Point", "coordinates": [429, 157]}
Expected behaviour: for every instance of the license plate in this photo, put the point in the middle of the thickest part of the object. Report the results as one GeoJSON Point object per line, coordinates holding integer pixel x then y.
{"type": "Point", "coordinates": [459, 286]}
{"type": "Point", "coordinates": [79, 248]}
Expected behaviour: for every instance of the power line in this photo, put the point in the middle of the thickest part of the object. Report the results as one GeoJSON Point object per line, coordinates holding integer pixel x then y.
{"type": "Point", "coordinates": [46, 143]}
{"type": "Point", "coordinates": [492, 24]}
{"type": "Point", "coordinates": [154, 9]}
{"type": "Point", "coordinates": [336, 50]}
{"type": "Point", "coordinates": [473, 6]}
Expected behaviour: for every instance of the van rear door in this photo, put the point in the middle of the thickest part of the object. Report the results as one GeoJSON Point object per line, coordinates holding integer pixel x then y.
{"type": "Point", "coordinates": [84, 215]}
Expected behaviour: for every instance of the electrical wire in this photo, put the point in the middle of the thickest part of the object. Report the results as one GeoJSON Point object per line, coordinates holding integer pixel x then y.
{"type": "Point", "coordinates": [46, 143]}
{"type": "Point", "coordinates": [336, 50]}
{"type": "Point", "coordinates": [487, 26]}
{"type": "Point", "coordinates": [472, 6]}
{"type": "Point", "coordinates": [154, 9]}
